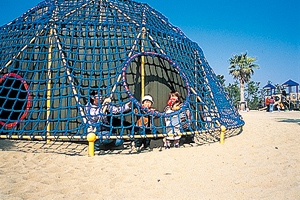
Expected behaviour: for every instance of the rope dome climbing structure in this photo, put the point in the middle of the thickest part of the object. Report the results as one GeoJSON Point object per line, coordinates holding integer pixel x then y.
{"type": "Point", "coordinates": [57, 52]}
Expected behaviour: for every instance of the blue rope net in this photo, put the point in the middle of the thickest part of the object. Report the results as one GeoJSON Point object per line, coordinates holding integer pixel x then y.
{"type": "Point", "coordinates": [56, 53]}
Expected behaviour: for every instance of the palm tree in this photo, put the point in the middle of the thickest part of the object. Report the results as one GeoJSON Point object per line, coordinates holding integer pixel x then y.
{"type": "Point", "coordinates": [221, 78]}
{"type": "Point", "coordinates": [242, 68]}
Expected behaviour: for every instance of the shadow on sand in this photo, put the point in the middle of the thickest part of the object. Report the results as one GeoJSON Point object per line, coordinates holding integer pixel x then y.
{"type": "Point", "coordinates": [80, 148]}
{"type": "Point", "coordinates": [297, 121]}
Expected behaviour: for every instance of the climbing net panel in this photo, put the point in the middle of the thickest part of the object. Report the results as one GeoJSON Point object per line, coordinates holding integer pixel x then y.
{"type": "Point", "coordinates": [57, 52]}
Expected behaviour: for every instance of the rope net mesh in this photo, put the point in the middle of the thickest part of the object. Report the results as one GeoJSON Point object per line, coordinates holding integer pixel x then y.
{"type": "Point", "coordinates": [57, 52]}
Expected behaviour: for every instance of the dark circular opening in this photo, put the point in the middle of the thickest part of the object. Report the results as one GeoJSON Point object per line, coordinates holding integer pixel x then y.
{"type": "Point", "coordinates": [161, 76]}
{"type": "Point", "coordinates": [14, 99]}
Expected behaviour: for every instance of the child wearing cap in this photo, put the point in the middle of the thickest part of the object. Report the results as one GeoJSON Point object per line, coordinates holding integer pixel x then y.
{"type": "Point", "coordinates": [144, 122]}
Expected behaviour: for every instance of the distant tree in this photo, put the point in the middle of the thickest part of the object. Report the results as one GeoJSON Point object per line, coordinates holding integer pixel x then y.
{"type": "Point", "coordinates": [279, 88]}
{"type": "Point", "coordinates": [242, 68]}
{"type": "Point", "coordinates": [261, 98]}
{"type": "Point", "coordinates": [252, 89]}
{"type": "Point", "coordinates": [253, 95]}
{"type": "Point", "coordinates": [221, 79]}
{"type": "Point", "coordinates": [233, 91]}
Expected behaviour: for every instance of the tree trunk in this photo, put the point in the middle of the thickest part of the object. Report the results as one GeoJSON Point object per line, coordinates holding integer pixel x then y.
{"type": "Point", "coordinates": [242, 98]}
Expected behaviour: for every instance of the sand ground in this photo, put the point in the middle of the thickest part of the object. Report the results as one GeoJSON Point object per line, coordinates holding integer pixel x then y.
{"type": "Point", "coordinates": [263, 162]}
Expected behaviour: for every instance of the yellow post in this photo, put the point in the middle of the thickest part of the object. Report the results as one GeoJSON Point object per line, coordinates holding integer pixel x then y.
{"type": "Point", "coordinates": [143, 65]}
{"type": "Point", "coordinates": [143, 77]}
{"type": "Point", "coordinates": [49, 85]}
{"type": "Point", "coordinates": [222, 135]}
{"type": "Point", "coordinates": [91, 137]}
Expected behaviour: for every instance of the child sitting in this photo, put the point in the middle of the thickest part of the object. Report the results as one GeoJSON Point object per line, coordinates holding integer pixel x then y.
{"type": "Point", "coordinates": [144, 122]}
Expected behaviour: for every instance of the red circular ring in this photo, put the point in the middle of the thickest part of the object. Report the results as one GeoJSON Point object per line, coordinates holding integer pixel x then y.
{"type": "Point", "coordinates": [28, 98]}
{"type": "Point", "coordinates": [135, 101]}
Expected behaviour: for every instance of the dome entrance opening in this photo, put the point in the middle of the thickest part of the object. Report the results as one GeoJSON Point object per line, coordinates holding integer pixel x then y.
{"type": "Point", "coordinates": [14, 99]}
{"type": "Point", "coordinates": [161, 76]}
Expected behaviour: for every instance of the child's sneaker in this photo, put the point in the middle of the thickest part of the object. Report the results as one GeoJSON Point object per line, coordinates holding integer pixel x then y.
{"type": "Point", "coordinates": [134, 149]}
{"type": "Point", "coordinates": [147, 149]}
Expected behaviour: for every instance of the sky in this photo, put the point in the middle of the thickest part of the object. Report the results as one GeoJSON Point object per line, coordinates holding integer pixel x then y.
{"type": "Point", "coordinates": [268, 30]}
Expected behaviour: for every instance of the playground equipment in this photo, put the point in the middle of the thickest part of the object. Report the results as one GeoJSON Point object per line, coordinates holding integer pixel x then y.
{"type": "Point", "coordinates": [288, 99]}
{"type": "Point", "coordinates": [269, 91]}
{"type": "Point", "coordinates": [56, 52]}
{"type": "Point", "coordinates": [292, 95]}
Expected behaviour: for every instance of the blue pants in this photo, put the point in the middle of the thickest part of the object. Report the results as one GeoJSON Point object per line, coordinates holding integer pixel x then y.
{"type": "Point", "coordinates": [188, 138]}
{"type": "Point", "coordinates": [102, 142]}
{"type": "Point", "coordinates": [271, 107]}
{"type": "Point", "coordinates": [139, 141]}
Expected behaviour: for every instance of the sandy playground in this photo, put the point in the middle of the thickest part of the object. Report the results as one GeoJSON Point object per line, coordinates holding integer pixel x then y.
{"type": "Point", "coordinates": [263, 162]}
